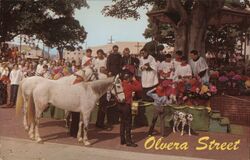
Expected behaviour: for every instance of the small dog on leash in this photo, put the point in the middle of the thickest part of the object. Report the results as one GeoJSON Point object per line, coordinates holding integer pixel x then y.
{"type": "Point", "coordinates": [184, 118]}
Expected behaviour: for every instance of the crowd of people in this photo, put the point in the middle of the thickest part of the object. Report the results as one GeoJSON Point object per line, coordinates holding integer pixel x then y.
{"type": "Point", "coordinates": [143, 75]}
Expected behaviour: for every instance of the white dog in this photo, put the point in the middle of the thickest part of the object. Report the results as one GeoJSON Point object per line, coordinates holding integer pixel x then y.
{"type": "Point", "coordinates": [184, 118]}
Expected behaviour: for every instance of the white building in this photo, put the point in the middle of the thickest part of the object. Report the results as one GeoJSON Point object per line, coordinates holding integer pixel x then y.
{"type": "Point", "coordinates": [134, 47]}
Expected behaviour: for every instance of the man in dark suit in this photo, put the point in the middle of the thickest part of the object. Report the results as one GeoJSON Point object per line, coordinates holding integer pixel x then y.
{"type": "Point", "coordinates": [114, 62]}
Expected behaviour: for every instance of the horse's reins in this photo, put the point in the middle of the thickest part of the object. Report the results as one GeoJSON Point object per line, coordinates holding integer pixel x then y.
{"type": "Point", "coordinates": [116, 92]}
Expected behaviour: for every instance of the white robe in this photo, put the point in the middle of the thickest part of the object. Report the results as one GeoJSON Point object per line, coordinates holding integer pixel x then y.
{"type": "Point", "coordinates": [199, 66]}
{"type": "Point", "coordinates": [149, 78]}
{"type": "Point", "coordinates": [98, 63]}
{"type": "Point", "coordinates": [167, 67]}
{"type": "Point", "coordinates": [183, 71]}
{"type": "Point", "coordinates": [176, 64]}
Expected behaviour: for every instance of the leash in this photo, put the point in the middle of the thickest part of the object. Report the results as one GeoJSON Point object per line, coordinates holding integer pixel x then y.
{"type": "Point", "coordinates": [146, 104]}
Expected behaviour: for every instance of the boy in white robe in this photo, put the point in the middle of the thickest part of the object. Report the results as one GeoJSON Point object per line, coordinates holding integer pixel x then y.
{"type": "Point", "coordinates": [177, 59]}
{"type": "Point", "coordinates": [166, 69]}
{"type": "Point", "coordinates": [199, 67]}
{"type": "Point", "coordinates": [184, 71]}
{"type": "Point", "coordinates": [149, 77]}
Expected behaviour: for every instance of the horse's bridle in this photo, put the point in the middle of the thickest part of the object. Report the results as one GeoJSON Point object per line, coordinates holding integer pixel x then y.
{"type": "Point", "coordinates": [116, 92]}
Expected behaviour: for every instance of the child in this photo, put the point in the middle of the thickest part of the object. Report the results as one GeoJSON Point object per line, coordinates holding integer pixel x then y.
{"type": "Point", "coordinates": [183, 71]}
{"type": "Point", "coordinates": [166, 68]}
{"type": "Point", "coordinates": [160, 100]}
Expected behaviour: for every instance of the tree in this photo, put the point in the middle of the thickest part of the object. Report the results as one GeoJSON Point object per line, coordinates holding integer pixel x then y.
{"type": "Point", "coordinates": [189, 18]}
{"type": "Point", "coordinates": [50, 21]}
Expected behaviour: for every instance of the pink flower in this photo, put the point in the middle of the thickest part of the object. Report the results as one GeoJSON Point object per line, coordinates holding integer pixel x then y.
{"type": "Point", "coordinates": [236, 77]}
{"type": "Point", "coordinates": [213, 89]}
{"type": "Point", "coordinates": [223, 78]}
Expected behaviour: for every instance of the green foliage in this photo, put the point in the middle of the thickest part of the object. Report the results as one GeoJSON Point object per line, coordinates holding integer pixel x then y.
{"type": "Point", "coordinates": [48, 20]}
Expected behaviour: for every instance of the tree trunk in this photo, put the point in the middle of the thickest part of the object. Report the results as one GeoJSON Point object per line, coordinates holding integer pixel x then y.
{"type": "Point", "coordinates": [191, 36]}
{"type": "Point", "coordinates": [181, 38]}
{"type": "Point", "coordinates": [197, 30]}
{"type": "Point", "coordinates": [60, 52]}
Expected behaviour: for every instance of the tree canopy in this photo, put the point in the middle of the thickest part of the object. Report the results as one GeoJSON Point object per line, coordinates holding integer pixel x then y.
{"type": "Point", "coordinates": [188, 19]}
{"type": "Point", "coordinates": [49, 21]}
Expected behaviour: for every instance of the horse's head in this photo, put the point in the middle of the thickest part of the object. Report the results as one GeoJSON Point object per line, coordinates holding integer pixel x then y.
{"type": "Point", "coordinates": [117, 89]}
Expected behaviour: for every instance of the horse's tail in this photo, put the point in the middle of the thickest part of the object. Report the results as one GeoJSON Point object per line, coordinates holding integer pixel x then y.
{"type": "Point", "coordinates": [31, 109]}
{"type": "Point", "coordinates": [19, 101]}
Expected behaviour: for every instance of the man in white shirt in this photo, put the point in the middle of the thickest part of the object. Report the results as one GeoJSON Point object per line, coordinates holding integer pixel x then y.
{"type": "Point", "coordinates": [149, 77]}
{"type": "Point", "coordinates": [15, 77]}
{"type": "Point", "coordinates": [39, 68]}
{"type": "Point", "coordinates": [199, 67]}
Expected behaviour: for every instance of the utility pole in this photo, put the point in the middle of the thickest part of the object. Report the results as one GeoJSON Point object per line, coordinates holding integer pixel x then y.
{"type": "Point", "coordinates": [111, 40]}
{"type": "Point", "coordinates": [138, 47]}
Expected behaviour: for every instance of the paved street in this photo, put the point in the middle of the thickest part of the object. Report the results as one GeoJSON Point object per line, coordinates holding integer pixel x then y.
{"type": "Point", "coordinates": [21, 149]}
{"type": "Point", "coordinates": [104, 144]}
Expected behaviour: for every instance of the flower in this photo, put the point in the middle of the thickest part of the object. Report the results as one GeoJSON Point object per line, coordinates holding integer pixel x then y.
{"type": "Point", "coordinates": [204, 89]}
{"type": "Point", "coordinates": [236, 77]}
{"type": "Point", "coordinates": [214, 74]}
{"type": "Point", "coordinates": [247, 84]}
{"type": "Point", "coordinates": [213, 89]}
{"type": "Point", "coordinates": [223, 78]}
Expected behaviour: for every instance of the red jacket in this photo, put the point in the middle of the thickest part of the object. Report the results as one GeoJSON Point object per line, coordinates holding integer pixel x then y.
{"type": "Point", "coordinates": [129, 87]}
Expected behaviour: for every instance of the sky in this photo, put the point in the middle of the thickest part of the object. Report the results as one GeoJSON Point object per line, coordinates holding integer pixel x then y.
{"type": "Point", "coordinates": [101, 28]}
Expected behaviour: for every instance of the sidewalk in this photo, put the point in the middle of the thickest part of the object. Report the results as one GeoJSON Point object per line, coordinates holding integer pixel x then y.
{"type": "Point", "coordinates": [21, 149]}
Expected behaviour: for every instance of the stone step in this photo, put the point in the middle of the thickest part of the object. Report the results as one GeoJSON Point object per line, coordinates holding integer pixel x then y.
{"type": "Point", "coordinates": [215, 116]}
{"type": "Point", "coordinates": [225, 121]}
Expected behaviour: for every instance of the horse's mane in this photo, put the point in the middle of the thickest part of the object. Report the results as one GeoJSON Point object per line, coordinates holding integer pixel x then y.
{"type": "Point", "coordinates": [100, 86]}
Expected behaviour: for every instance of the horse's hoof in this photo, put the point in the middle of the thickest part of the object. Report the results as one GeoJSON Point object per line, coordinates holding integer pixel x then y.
{"type": "Point", "coordinates": [32, 137]}
{"type": "Point", "coordinates": [86, 143]}
{"type": "Point", "coordinates": [80, 140]}
{"type": "Point", "coordinates": [39, 140]}
{"type": "Point", "coordinates": [26, 129]}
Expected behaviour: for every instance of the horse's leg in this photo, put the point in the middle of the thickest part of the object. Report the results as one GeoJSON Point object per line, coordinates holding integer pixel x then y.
{"type": "Point", "coordinates": [37, 135]}
{"type": "Point", "coordinates": [38, 115]}
{"type": "Point", "coordinates": [25, 124]}
{"type": "Point", "coordinates": [31, 131]}
{"type": "Point", "coordinates": [79, 133]}
{"type": "Point", "coordinates": [66, 118]}
{"type": "Point", "coordinates": [85, 128]}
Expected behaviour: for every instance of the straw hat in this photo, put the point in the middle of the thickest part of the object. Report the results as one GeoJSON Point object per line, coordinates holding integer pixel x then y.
{"type": "Point", "coordinates": [80, 73]}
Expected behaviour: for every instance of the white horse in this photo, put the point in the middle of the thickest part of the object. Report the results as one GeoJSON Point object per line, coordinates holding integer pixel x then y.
{"type": "Point", "coordinates": [27, 86]}
{"type": "Point", "coordinates": [80, 97]}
